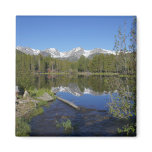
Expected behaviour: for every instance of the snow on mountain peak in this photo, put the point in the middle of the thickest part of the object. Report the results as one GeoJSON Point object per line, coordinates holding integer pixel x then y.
{"type": "Point", "coordinates": [73, 54]}
{"type": "Point", "coordinates": [28, 50]}
{"type": "Point", "coordinates": [36, 51]}
{"type": "Point", "coordinates": [77, 49]}
{"type": "Point", "coordinates": [53, 52]}
{"type": "Point", "coordinates": [87, 53]}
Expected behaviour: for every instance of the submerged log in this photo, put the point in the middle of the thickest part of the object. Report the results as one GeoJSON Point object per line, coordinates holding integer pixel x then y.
{"type": "Point", "coordinates": [69, 103]}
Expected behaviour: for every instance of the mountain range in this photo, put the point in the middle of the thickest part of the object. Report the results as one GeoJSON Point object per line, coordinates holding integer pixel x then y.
{"type": "Point", "coordinates": [71, 55]}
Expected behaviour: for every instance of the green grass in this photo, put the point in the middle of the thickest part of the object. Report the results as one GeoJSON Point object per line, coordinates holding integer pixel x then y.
{"type": "Point", "coordinates": [22, 123]}
{"type": "Point", "coordinates": [114, 74]}
{"type": "Point", "coordinates": [40, 92]}
{"type": "Point", "coordinates": [22, 127]}
{"type": "Point", "coordinates": [128, 130]}
{"type": "Point", "coordinates": [42, 103]}
{"type": "Point", "coordinates": [86, 73]}
{"type": "Point", "coordinates": [54, 73]}
{"type": "Point", "coordinates": [67, 125]}
{"type": "Point", "coordinates": [36, 112]}
{"type": "Point", "coordinates": [108, 74]}
{"type": "Point", "coordinates": [34, 93]}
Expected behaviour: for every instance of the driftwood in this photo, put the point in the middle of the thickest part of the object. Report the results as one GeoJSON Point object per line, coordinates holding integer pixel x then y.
{"type": "Point", "coordinates": [69, 103]}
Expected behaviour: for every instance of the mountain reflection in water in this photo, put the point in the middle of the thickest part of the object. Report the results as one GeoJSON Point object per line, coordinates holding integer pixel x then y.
{"type": "Point", "coordinates": [75, 90]}
{"type": "Point", "coordinates": [77, 84]}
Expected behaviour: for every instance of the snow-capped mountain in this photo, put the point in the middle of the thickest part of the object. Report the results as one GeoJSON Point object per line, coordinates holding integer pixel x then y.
{"type": "Point", "coordinates": [52, 52]}
{"type": "Point", "coordinates": [73, 54]}
{"type": "Point", "coordinates": [27, 50]}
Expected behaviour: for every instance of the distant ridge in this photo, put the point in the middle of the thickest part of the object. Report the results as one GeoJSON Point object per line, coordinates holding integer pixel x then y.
{"type": "Point", "coordinates": [73, 54]}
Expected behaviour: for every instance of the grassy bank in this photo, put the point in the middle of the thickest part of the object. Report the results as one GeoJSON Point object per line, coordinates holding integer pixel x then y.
{"type": "Point", "coordinates": [22, 123]}
{"type": "Point", "coordinates": [28, 108]}
{"type": "Point", "coordinates": [34, 93]}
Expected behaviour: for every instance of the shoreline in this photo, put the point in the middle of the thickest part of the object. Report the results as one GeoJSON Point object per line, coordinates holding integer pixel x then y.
{"type": "Point", "coordinates": [88, 74]}
{"type": "Point", "coordinates": [26, 109]}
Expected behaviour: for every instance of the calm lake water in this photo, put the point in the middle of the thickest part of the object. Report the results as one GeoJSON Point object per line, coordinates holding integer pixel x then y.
{"type": "Point", "coordinates": [91, 94]}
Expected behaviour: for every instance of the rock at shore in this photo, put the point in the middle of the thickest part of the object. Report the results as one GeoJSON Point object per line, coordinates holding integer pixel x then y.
{"type": "Point", "coordinates": [26, 94]}
{"type": "Point", "coordinates": [45, 97]}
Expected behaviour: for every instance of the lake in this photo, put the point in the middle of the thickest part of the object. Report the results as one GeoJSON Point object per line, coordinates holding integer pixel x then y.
{"type": "Point", "coordinates": [92, 94]}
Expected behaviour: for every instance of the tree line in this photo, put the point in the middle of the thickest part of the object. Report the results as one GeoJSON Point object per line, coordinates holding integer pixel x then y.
{"type": "Point", "coordinates": [124, 62]}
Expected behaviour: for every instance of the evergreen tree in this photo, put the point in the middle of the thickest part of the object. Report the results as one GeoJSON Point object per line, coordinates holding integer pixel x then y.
{"type": "Point", "coordinates": [81, 64]}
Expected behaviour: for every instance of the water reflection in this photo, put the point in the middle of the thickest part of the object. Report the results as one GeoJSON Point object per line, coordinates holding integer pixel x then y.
{"type": "Point", "coordinates": [92, 94]}
{"type": "Point", "coordinates": [78, 85]}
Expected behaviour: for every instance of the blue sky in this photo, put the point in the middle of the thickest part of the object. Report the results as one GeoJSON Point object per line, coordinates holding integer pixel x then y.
{"type": "Point", "coordinates": [67, 32]}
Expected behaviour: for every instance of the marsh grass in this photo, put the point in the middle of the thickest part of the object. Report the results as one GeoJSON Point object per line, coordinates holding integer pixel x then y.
{"type": "Point", "coordinates": [22, 127]}
{"type": "Point", "coordinates": [36, 112]}
{"type": "Point", "coordinates": [67, 125]}
{"type": "Point", "coordinates": [42, 103]}
{"type": "Point", "coordinates": [22, 123]}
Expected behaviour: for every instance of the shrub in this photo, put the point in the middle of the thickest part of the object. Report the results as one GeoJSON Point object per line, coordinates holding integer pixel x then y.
{"type": "Point", "coordinates": [67, 125]}
{"type": "Point", "coordinates": [22, 127]}
{"type": "Point", "coordinates": [120, 107]}
{"type": "Point", "coordinates": [128, 130]}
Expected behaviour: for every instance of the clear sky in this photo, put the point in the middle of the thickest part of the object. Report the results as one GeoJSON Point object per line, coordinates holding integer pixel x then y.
{"type": "Point", "coordinates": [67, 32]}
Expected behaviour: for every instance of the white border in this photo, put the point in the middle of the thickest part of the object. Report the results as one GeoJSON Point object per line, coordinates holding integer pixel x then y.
{"type": "Point", "coordinates": [9, 9]}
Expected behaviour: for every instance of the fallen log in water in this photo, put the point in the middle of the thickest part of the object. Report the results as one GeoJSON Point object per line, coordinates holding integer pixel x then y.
{"type": "Point", "coordinates": [69, 103]}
